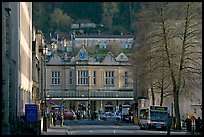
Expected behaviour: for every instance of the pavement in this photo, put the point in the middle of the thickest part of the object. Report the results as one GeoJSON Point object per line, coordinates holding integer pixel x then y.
{"type": "Point", "coordinates": [57, 130]}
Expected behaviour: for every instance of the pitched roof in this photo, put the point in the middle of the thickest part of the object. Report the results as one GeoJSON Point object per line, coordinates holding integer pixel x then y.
{"type": "Point", "coordinates": [82, 21]}
{"type": "Point", "coordinates": [121, 57]}
{"type": "Point", "coordinates": [103, 36]}
{"type": "Point", "coordinates": [109, 59]}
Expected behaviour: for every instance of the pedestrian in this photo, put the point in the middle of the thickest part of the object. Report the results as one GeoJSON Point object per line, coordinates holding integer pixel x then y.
{"type": "Point", "coordinates": [168, 124]}
{"type": "Point", "coordinates": [188, 124]}
{"type": "Point", "coordinates": [54, 118]}
{"type": "Point", "coordinates": [198, 125]}
{"type": "Point", "coordinates": [61, 119]}
{"type": "Point", "coordinates": [51, 118]}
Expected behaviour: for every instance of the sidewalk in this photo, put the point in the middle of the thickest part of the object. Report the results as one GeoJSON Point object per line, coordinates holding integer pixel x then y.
{"type": "Point", "coordinates": [57, 130]}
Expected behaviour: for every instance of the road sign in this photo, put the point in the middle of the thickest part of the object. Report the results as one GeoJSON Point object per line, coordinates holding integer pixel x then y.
{"type": "Point", "coordinates": [31, 112]}
{"type": "Point", "coordinates": [62, 106]}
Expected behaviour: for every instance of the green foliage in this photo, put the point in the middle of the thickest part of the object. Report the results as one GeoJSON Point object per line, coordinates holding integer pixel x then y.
{"type": "Point", "coordinates": [60, 21]}
{"type": "Point", "coordinates": [101, 52]}
{"type": "Point", "coordinates": [113, 15]}
{"type": "Point", "coordinates": [75, 50]}
{"type": "Point", "coordinates": [117, 30]}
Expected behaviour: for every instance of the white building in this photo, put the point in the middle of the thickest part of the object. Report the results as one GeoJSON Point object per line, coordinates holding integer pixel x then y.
{"type": "Point", "coordinates": [103, 41]}
{"type": "Point", "coordinates": [17, 62]}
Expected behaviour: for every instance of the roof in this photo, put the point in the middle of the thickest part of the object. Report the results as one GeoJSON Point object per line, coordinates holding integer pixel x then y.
{"type": "Point", "coordinates": [82, 21]}
{"type": "Point", "coordinates": [103, 36]}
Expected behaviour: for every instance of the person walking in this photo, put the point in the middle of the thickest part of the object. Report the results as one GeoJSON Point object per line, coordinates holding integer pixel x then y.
{"type": "Point", "coordinates": [61, 119]}
{"type": "Point", "coordinates": [198, 125]}
{"type": "Point", "coordinates": [168, 124]}
{"type": "Point", "coordinates": [54, 118]}
{"type": "Point", "coordinates": [188, 124]}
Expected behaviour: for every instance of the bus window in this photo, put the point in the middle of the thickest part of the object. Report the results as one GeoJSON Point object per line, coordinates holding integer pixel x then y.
{"type": "Point", "coordinates": [161, 116]}
{"type": "Point", "coordinates": [143, 114]}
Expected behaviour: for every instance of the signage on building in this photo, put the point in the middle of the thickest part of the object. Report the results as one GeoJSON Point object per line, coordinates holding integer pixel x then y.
{"type": "Point", "coordinates": [31, 112]}
{"type": "Point", "coordinates": [158, 108]}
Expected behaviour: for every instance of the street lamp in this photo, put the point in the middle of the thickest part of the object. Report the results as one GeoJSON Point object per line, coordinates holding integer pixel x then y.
{"type": "Point", "coordinates": [89, 105]}
{"type": "Point", "coordinates": [45, 114]}
{"type": "Point", "coordinates": [117, 107]}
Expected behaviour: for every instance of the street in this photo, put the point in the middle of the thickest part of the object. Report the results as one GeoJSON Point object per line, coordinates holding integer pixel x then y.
{"type": "Point", "coordinates": [96, 127]}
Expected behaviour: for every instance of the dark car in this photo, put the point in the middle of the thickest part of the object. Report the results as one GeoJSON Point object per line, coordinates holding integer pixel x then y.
{"type": "Point", "coordinates": [69, 114]}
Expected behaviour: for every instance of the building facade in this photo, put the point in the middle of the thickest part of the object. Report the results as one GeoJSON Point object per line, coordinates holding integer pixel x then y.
{"type": "Point", "coordinates": [103, 41]}
{"type": "Point", "coordinates": [82, 23]}
{"type": "Point", "coordinates": [82, 81]}
{"type": "Point", "coordinates": [16, 63]}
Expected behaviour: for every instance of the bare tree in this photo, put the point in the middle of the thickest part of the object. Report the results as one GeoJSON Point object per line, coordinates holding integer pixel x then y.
{"type": "Point", "coordinates": [180, 64]}
{"type": "Point", "coordinates": [149, 37]}
{"type": "Point", "coordinates": [174, 46]}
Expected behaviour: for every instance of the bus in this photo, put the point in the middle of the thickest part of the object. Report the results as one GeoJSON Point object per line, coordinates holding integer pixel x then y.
{"type": "Point", "coordinates": [153, 117]}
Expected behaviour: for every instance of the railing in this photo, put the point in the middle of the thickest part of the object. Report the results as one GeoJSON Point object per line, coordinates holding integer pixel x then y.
{"type": "Point", "coordinates": [95, 94]}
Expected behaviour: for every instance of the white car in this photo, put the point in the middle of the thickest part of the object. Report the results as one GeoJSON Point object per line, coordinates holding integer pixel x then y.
{"type": "Point", "coordinates": [110, 116]}
{"type": "Point", "coordinates": [107, 116]}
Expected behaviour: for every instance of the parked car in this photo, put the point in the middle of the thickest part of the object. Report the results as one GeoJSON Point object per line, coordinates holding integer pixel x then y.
{"type": "Point", "coordinates": [107, 116]}
{"type": "Point", "coordinates": [69, 114]}
{"type": "Point", "coordinates": [125, 118]}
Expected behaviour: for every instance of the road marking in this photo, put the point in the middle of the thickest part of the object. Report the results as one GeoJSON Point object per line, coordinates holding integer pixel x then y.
{"type": "Point", "coordinates": [69, 132]}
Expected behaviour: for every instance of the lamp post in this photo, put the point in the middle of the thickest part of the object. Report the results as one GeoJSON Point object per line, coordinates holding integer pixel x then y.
{"type": "Point", "coordinates": [45, 114]}
{"type": "Point", "coordinates": [117, 107]}
{"type": "Point", "coordinates": [89, 105]}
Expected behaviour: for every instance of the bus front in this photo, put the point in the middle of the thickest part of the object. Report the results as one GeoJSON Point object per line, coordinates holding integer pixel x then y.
{"type": "Point", "coordinates": [158, 117]}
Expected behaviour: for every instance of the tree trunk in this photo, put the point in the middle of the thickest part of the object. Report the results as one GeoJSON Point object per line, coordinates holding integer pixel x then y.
{"type": "Point", "coordinates": [173, 75]}
{"type": "Point", "coordinates": [152, 91]}
{"type": "Point", "coordinates": [176, 109]}
{"type": "Point", "coordinates": [162, 93]}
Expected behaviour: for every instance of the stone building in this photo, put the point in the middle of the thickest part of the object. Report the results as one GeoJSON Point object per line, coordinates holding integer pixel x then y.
{"type": "Point", "coordinates": [16, 63]}
{"type": "Point", "coordinates": [103, 41]}
{"type": "Point", "coordinates": [105, 84]}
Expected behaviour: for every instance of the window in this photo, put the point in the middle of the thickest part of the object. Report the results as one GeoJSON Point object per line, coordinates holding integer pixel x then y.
{"type": "Point", "coordinates": [55, 77]}
{"type": "Point", "coordinates": [125, 78]}
{"type": "Point", "coordinates": [121, 57]}
{"type": "Point", "coordinates": [104, 46]}
{"type": "Point", "coordinates": [83, 77]}
{"type": "Point", "coordinates": [94, 77]}
{"type": "Point", "coordinates": [70, 77]}
{"type": "Point", "coordinates": [101, 46]}
{"type": "Point", "coordinates": [109, 77]}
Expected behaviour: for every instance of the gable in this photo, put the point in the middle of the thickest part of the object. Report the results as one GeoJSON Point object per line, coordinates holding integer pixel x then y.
{"type": "Point", "coordinates": [55, 60]}
{"type": "Point", "coordinates": [109, 59]}
{"type": "Point", "coordinates": [121, 58]}
{"type": "Point", "coordinates": [83, 54]}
